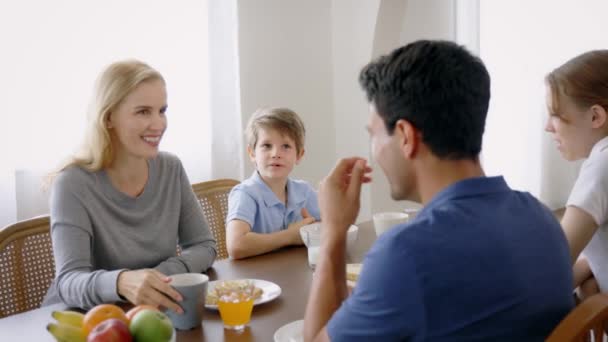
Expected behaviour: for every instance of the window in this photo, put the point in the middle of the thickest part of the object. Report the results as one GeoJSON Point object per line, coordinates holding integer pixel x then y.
{"type": "Point", "coordinates": [52, 52]}
{"type": "Point", "coordinates": [520, 42]}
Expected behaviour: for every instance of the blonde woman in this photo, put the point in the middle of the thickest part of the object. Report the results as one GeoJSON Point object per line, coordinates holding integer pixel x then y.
{"type": "Point", "coordinates": [578, 120]}
{"type": "Point", "coordinates": [120, 207]}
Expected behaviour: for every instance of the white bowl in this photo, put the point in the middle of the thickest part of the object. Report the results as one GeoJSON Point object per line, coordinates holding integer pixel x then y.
{"type": "Point", "coordinates": [385, 221]}
{"type": "Point", "coordinates": [311, 235]}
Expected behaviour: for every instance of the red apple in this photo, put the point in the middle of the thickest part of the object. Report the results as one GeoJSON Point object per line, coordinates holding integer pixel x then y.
{"type": "Point", "coordinates": [151, 326]}
{"type": "Point", "coordinates": [110, 330]}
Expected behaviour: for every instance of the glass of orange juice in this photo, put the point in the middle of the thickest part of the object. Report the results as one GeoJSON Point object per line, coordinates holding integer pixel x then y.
{"type": "Point", "coordinates": [235, 302]}
{"type": "Point", "coordinates": [235, 310]}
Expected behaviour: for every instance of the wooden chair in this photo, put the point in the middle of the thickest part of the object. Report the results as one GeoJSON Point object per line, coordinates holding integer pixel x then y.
{"type": "Point", "coordinates": [213, 196]}
{"type": "Point", "coordinates": [27, 265]}
{"type": "Point", "coordinates": [589, 318]}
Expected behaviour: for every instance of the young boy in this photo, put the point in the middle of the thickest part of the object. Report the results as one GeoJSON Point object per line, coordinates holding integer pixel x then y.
{"type": "Point", "coordinates": [266, 211]}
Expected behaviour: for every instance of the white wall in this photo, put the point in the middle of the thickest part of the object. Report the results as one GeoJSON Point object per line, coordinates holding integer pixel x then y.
{"type": "Point", "coordinates": [285, 60]}
{"type": "Point", "coordinates": [353, 25]}
{"type": "Point", "coordinates": [428, 19]}
{"type": "Point", "coordinates": [467, 24]}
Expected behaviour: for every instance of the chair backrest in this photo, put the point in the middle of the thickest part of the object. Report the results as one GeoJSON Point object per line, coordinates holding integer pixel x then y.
{"type": "Point", "coordinates": [590, 317]}
{"type": "Point", "coordinates": [27, 266]}
{"type": "Point", "coordinates": [213, 196]}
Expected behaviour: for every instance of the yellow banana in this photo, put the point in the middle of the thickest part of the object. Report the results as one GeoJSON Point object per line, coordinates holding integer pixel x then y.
{"type": "Point", "coordinates": [72, 318]}
{"type": "Point", "coordinates": [66, 332]}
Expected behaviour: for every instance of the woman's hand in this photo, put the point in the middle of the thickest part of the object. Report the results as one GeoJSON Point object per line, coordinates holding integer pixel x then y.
{"type": "Point", "coordinates": [148, 286]}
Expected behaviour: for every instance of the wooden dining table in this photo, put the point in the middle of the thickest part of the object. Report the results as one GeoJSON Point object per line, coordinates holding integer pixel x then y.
{"type": "Point", "coordinates": [287, 268]}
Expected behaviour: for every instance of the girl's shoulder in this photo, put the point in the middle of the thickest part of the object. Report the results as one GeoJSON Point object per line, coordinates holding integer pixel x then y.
{"type": "Point", "coordinates": [596, 166]}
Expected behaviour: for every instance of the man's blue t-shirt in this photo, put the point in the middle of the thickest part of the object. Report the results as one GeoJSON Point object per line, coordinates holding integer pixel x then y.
{"type": "Point", "coordinates": [479, 263]}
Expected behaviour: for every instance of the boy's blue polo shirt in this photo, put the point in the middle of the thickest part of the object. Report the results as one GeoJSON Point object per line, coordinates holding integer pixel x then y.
{"type": "Point", "coordinates": [254, 202]}
{"type": "Point", "coordinates": [480, 262]}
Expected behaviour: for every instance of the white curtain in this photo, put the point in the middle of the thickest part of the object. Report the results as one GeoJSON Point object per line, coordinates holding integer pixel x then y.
{"type": "Point", "coordinates": [52, 51]}
{"type": "Point", "coordinates": [520, 42]}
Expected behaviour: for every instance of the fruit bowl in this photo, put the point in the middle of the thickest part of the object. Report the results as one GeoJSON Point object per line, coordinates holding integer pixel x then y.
{"type": "Point", "coordinates": [109, 323]}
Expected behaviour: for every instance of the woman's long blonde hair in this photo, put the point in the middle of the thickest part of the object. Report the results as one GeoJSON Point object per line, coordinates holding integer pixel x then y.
{"type": "Point", "coordinates": [116, 82]}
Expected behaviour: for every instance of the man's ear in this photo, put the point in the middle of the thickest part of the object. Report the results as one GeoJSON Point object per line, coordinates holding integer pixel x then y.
{"type": "Point", "coordinates": [300, 156]}
{"type": "Point", "coordinates": [251, 154]}
{"type": "Point", "coordinates": [598, 118]}
{"type": "Point", "coordinates": [408, 137]}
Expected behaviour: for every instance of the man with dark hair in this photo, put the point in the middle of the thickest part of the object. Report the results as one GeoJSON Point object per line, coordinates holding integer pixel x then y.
{"type": "Point", "coordinates": [480, 262]}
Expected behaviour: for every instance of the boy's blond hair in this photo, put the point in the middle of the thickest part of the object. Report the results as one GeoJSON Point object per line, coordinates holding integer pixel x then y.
{"type": "Point", "coordinates": [284, 120]}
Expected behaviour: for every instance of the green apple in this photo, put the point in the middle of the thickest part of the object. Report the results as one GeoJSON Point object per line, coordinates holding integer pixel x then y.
{"type": "Point", "coordinates": [151, 326]}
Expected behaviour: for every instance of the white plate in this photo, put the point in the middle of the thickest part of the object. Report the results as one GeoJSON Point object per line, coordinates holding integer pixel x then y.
{"type": "Point", "coordinates": [270, 291]}
{"type": "Point", "coordinates": [290, 332]}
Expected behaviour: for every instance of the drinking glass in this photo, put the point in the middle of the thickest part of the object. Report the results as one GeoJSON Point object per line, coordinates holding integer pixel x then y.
{"type": "Point", "coordinates": [235, 311]}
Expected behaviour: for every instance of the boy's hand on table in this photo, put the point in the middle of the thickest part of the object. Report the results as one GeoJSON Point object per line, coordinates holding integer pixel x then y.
{"type": "Point", "coordinates": [294, 228]}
